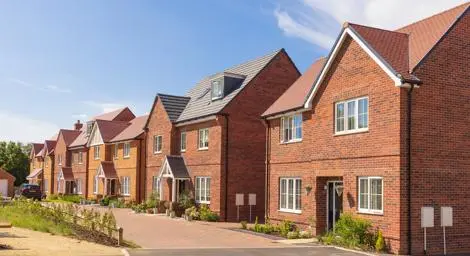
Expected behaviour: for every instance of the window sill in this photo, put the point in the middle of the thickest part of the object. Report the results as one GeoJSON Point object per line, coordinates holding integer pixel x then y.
{"type": "Point", "coordinates": [351, 132]}
{"type": "Point", "coordinates": [290, 142]}
{"type": "Point", "coordinates": [125, 194]}
{"type": "Point", "coordinates": [290, 211]}
{"type": "Point", "coordinates": [203, 202]}
{"type": "Point", "coordinates": [203, 149]}
{"type": "Point", "coordinates": [183, 151]}
{"type": "Point", "coordinates": [378, 213]}
{"type": "Point", "coordinates": [157, 152]}
{"type": "Point", "coordinates": [126, 157]}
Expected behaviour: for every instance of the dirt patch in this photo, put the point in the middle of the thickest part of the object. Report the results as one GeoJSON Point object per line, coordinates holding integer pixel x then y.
{"type": "Point", "coordinates": [32, 243]}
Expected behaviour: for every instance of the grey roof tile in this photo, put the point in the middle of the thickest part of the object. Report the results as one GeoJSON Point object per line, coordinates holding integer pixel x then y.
{"type": "Point", "coordinates": [174, 105]}
{"type": "Point", "coordinates": [177, 166]}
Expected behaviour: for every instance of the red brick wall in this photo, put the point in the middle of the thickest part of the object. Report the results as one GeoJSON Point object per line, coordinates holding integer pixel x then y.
{"type": "Point", "coordinates": [80, 170]}
{"type": "Point", "coordinates": [158, 124]}
{"type": "Point", "coordinates": [247, 134]}
{"type": "Point", "coordinates": [60, 150]}
{"type": "Point", "coordinates": [440, 141]}
{"type": "Point", "coordinates": [11, 182]}
{"type": "Point", "coordinates": [321, 153]}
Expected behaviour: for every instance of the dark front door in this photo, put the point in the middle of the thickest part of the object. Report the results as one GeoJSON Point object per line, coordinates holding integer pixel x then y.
{"type": "Point", "coordinates": [335, 202]}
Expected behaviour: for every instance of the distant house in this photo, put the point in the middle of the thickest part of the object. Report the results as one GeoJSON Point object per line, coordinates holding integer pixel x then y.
{"type": "Point", "coordinates": [7, 184]}
{"type": "Point", "coordinates": [209, 144]}
{"type": "Point", "coordinates": [341, 138]}
{"type": "Point", "coordinates": [36, 164]}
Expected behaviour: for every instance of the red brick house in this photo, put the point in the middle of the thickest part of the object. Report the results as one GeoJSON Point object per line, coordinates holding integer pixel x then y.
{"type": "Point", "coordinates": [36, 164]}
{"type": "Point", "coordinates": [7, 184]}
{"type": "Point", "coordinates": [341, 138]}
{"type": "Point", "coordinates": [210, 143]}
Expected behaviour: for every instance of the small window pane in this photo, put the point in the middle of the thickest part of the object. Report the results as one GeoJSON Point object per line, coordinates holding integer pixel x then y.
{"type": "Point", "coordinates": [298, 190]}
{"type": "Point", "coordinates": [363, 113]}
{"type": "Point", "coordinates": [290, 197]}
{"type": "Point", "coordinates": [340, 117]}
{"type": "Point", "coordinates": [351, 115]}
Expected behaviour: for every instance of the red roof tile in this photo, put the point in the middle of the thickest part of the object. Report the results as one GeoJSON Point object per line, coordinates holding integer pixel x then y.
{"type": "Point", "coordinates": [50, 145]}
{"type": "Point", "coordinates": [113, 115]}
{"type": "Point", "coordinates": [81, 139]}
{"type": "Point", "coordinates": [109, 129]}
{"type": "Point", "coordinates": [135, 129]}
{"type": "Point", "coordinates": [109, 171]}
{"type": "Point", "coordinates": [69, 136]}
{"type": "Point", "coordinates": [293, 98]}
{"type": "Point", "coordinates": [66, 174]}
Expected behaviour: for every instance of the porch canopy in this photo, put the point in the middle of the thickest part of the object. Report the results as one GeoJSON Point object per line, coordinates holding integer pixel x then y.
{"type": "Point", "coordinates": [106, 170]}
{"type": "Point", "coordinates": [174, 168]}
{"type": "Point", "coordinates": [35, 174]}
{"type": "Point", "coordinates": [65, 173]}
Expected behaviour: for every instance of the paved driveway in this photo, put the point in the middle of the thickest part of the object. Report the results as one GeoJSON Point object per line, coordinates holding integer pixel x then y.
{"type": "Point", "coordinates": [160, 232]}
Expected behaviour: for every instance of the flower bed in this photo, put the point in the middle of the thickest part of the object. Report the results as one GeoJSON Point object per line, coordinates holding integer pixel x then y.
{"type": "Point", "coordinates": [286, 229]}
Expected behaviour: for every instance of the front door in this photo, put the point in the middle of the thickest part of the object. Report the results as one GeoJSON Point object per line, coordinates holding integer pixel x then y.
{"type": "Point", "coordinates": [335, 202]}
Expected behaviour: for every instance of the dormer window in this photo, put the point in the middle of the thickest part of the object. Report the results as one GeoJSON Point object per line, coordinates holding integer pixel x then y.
{"type": "Point", "coordinates": [217, 90]}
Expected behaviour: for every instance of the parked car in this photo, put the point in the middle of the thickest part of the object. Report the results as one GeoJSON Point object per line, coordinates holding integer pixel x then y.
{"type": "Point", "coordinates": [30, 191]}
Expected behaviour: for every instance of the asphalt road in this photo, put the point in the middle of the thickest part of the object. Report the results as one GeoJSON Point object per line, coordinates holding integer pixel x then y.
{"type": "Point", "coordinates": [291, 251]}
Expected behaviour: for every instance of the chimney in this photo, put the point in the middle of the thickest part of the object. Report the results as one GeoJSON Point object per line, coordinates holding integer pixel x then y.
{"type": "Point", "coordinates": [78, 125]}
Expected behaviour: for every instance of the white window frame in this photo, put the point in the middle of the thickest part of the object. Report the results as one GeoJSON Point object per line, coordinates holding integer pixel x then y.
{"type": "Point", "coordinates": [219, 93]}
{"type": "Point", "coordinates": [293, 129]}
{"type": "Point", "coordinates": [198, 193]}
{"type": "Point", "coordinates": [78, 185]}
{"type": "Point", "coordinates": [96, 152]}
{"type": "Point", "coordinates": [183, 142]}
{"type": "Point", "coordinates": [345, 117]}
{"type": "Point", "coordinates": [46, 185]}
{"type": "Point", "coordinates": [46, 162]}
{"type": "Point", "coordinates": [294, 190]}
{"type": "Point", "coordinates": [116, 151]}
{"type": "Point", "coordinates": [156, 185]}
{"type": "Point", "coordinates": [368, 210]}
{"type": "Point", "coordinates": [95, 184]}
{"type": "Point", "coordinates": [156, 143]}
{"type": "Point", "coordinates": [126, 150]}
{"type": "Point", "coordinates": [203, 139]}
{"type": "Point", "coordinates": [60, 159]}
{"type": "Point", "coordinates": [125, 186]}
{"type": "Point", "coordinates": [80, 157]}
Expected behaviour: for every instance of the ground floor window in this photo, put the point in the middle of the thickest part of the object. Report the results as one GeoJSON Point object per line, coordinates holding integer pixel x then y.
{"type": "Point", "coordinates": [125, 186]}
{"type": "Point", "coordinates": [156, 186]}
{"type": "Point", "coordinates": [203, 190]}
{"type": "Point", "coordinates": [290, 195]}
{"type": "Point", "coordinates": [46, 185]}
{"type": "Point", "coordinates": [95, 184]}
{"type": "Point", "coordinates": [370, 192]}
{"type": "Point", "coordinates": [77, 186]}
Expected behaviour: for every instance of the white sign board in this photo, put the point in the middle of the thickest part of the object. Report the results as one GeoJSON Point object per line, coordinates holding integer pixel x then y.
{"type": "Point", "coordinates": [239, 200]}
{"type": "Point", "coordinates": [446, 216]}
{"type": "Point", "coordinates": [427, 217]}
{"type": "Point", "coordinates": [252, 199]}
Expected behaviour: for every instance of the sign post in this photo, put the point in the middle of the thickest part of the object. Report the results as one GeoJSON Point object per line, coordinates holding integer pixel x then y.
{"type": "Point", "coordinates": [239, 201]}
{"type": "Point", "coordinates": [446, 221]}
{"type": "Point", "coordinates": [427, 221]}
{"type": "Point", "coordinates": [251, 201]}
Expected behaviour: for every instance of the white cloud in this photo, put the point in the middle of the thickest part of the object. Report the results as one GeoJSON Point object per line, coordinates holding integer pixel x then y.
{"type": "Point", "coordinates": [80, 116]}
{"type": "Point", "coordinates": [324, 15]}
{"type": "Point", "coordinates": [53, 88]}
{"type": "Point", "coordinates": [104, 106]}
{"type": "Point", "coordinates": [24, 129]}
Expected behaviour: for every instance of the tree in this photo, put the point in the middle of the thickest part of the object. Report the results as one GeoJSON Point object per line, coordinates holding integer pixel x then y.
{"type": "Point", "coordinates": [14, 159]}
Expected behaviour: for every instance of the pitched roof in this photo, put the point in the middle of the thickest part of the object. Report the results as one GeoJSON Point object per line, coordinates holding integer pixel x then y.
{"type": "Point", "coordinates": [69, 136]}
{"type": "Point", "coordinates": [65, 173]}
{"type": "Point", "coordinates": [7, 173]}
{"type": "Point", "coordinates": [41, 153]}
{"type": "Point", "coordinates": [109, 129]}
{"type": "Point", "coordinates": [134, 130]}
{"type": "Point", "coordinates": [81, 139]}
{"type": "Point", "coordinates": [293, 98]}
{"type": "Point", "coordinates": [34, 173]}
{"type": "Point", "coordinates": [426, 33]}
{"type": "Point", "coordinates": [50, 145]}
{"type": "Point", "coordinates": [109, 171]}
{"type": "Point", "coordinates": [36, 147]}
{"type": "Point", "coordinates": [113, 115]}
{"type": "Point", "coordinates": [177, 166]}
{"type": "Point", "coordinates": [174, 105]}
{"type": "Point", "coordinates": [201, 105]}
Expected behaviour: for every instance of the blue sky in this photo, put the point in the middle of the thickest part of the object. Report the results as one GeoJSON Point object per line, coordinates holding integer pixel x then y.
{"type": "Point", "coordinates": [67, 60]}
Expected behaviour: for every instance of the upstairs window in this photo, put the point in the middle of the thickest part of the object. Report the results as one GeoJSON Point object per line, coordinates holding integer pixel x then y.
{"type": "Point", "coordinates": [46, 161]}
{"type": "Point", "coordinates": [96, 152]}
{"type": "Point", "coordinates": [116, 151]}
{"type": "Point", "coordinates": [127, 150]}
{"type": "Point", "coordinates": [60, 160]}
{"type": "Point", "coordinates": [203, 141]}
{"type": "Point", "coordinates": [183, 141]}
{"type": "Point", "coordinates": [352, 116]}
{"type": "Point", "coordinates": [80, 157]}
{"type": "Point", "coordinates": [291, 128]}
{"type": "Point", "coordinates": [216, 89]}
{"type": "Point", "coordinates": [157, 144]}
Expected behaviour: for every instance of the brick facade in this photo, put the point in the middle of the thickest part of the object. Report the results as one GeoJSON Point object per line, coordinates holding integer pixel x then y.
{"type": "Point", "coordinates": [79, 169]}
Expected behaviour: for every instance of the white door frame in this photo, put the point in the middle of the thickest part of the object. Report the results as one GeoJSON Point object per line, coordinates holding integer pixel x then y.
{"type": "Point", "coordinates": [1, 191]}
{"type": "Point", "coordinates": [328, 201]}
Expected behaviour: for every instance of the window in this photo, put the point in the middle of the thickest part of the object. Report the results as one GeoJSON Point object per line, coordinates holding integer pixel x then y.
{"type": "Point", "coordinates": [157, 144]}
{"type": "Point", "coordinates": [290, 195]}
{"type": "Point", "coordinates": [95, 184]}
{"type": "Point", "coordinates": [370, 194]}
{"type": "Point", "coordinates": [217, 92]}
{"type": "Point", "coordinates": [127, 150]}
{"type": "Point", "coordinates": [291, 128]}
{"type": "Point", "coordinates": [60, 159]}
{"type": "Point", "coordinates": [125, 186]}
{"type": "Point", "coordinates": [203, 138]}
{"type": "Point", "coordinates": [80, 157]}
{"type": "Point", "coordinates": [115, 151]}
{"type": "Point", "coordinates": [46, 185]}
{"type": "Point", "coordinates": [97, 152]}
{"type": "Point", "coordinates": [78, 186]}
{"type": "Point", "coordinates": [156, 186]}
{"type": "Point", "coordinates": [203, 190]}
{"type": "Point", "coordinates": [46, 161]}
{"type": "Point", "coordinates": [352, 115]}
{"type": "Point", "coordinates": [183, 141]}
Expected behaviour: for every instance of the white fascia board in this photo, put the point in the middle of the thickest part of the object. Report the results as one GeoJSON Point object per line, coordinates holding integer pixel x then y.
{"type": "Point", "coordinates": [367, 48]}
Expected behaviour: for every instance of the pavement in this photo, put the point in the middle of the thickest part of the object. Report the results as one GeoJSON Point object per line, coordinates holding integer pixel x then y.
{"type": "Point", "coordinates": [290, 251]}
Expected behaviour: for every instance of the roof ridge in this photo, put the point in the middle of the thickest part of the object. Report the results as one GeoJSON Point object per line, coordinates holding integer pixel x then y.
{"type": "Point", "coordinates": [171, 95]}
{"type": "Point", "coordinates": [371, 27]}
{"type": "Point", "coordinates": [434, 15]}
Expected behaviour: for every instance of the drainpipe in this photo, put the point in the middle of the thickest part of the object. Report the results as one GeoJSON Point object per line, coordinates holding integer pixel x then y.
{"type": "Point", "coordinates": [226, 167]}
{"type": "Point", "coordinates": [266, 178]}
{"type": "Point", "coordinates": [410, 91]}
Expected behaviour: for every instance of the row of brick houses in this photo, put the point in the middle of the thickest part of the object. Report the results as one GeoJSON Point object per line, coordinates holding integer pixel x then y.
{"type": "Point", "coordinates": [377, 128]}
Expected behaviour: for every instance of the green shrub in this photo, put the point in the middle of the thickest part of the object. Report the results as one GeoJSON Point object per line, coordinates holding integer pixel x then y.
{"type": "Point", "coordinates": [285, 227]}
{"type": "Point", "coordinates": [305, 234]}
{"type": "Point", "coordinates": [380, 243]}
{"type": "Point", "coordinates": [293, 235]}
{"type": "Point", "coordinates": [244, 224]}
{"type": "Point", "coordinates": [185, 201]}
{"type": "Point", "coordinates": [192, 212]}
{"type": "Point", "coordinates": [206, 214]}
{"type": "Point", "coordinates": [52, 197]}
